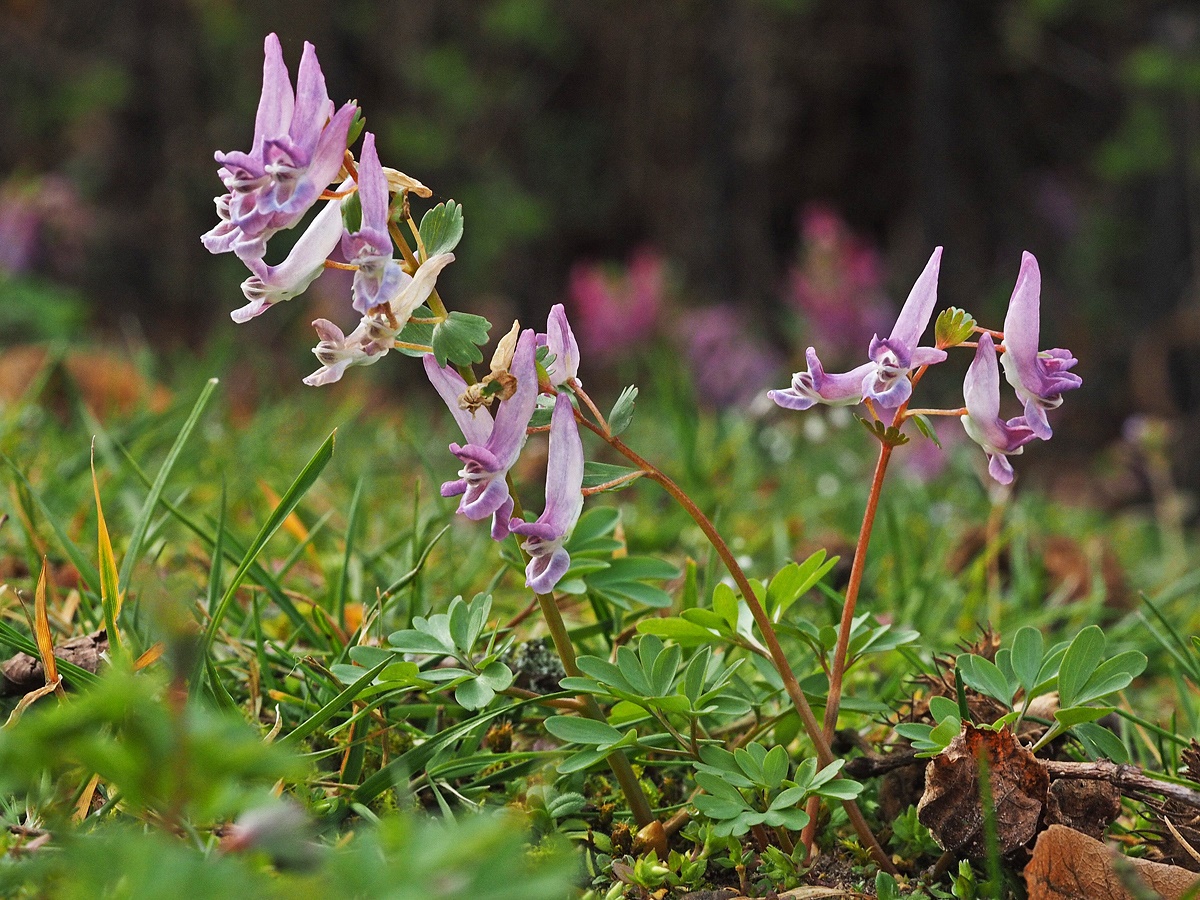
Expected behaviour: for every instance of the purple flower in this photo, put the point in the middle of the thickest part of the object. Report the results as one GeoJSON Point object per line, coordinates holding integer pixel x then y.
{"type": "Point", "coordinates": [815, 386]}
{"type": "Point", "coordinates": [338, 351]}
{"type": "Point", "coordinates": [297, 150]}
{"type": "Point", "coordinates": [490, 452]}
{"type": "Point", "coordinates": [898, 354]}
{"type": "Point", "coordinates": [560, 341]}
{"type": "Point", "coordinates": [998, 438]}
{"type": "Point", "coordinates": [274, 284]}
{"type": "Point", "coordinates": [544, 538]}
{"type": "Point", "coordinates": [379, 278]}
{"type": "Point", "coordinates": [1039, 377]}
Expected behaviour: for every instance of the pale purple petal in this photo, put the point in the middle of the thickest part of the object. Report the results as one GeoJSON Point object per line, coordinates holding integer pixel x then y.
{"type": "Point", "coordinates": [512, 418]}
{"type": "Point", "coordinates": [544, 572]}
{"type": "Point", "coordinates": [373, 197]}
{"type": "Point", "coordinates": [275, 104]}
{"type": "Point", "coordinates": [500, 519]}
{"type": "Point", "coordinates": [914, 316]}
{"type": "Point", "coordinates": [560, 341]}
{"type": "Point", "coordinates": [981, 391]}
{"type": "Point", "coordinates": [479, 504]}
{"type": "Point", "coordinates": [817, 386]}
{"type": "Point", "coordinates": [1039, 378]}
{"type": "Point", "coordinates": [564, 469]}
{"type": "Point", "coordinates": [476, 425]}
{"type": "Point", "coordinates": [313, 106]}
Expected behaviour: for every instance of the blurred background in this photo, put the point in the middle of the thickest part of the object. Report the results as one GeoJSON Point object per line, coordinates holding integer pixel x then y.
{"type": "Point", "coordinates": [735, 179]}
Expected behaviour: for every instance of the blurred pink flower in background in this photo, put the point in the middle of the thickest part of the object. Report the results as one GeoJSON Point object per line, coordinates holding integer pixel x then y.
{"type": "Point", "coordinates": [42, 221]}
{"type": "Point", "coordinates": [615, 310]}
{"type": "Point", "coordinates": [836, 284]}
{"type": "Point", "coordinates": [730, 366]}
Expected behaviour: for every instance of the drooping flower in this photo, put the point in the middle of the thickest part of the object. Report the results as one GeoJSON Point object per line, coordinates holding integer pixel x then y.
{"type": "Point", "coordinates": [898, 354]}
{"type": "Point", "coordinates": [379, 278]}
{"type": "Point", "coordinates": [1038, 377]}
{"type": "Point", "coordinates": [560, 342]}
{"type": "Point", "coordinates": [338, 351]}
{"type": "Point", "coordinates": [274, 284]}
{"type": "Point", "coordinates": [981, 391]}
{"type": "Point", "coordinates": [489, 455]}
{"type": "Point", "coordinates": [545, 537]}
{"type": "Point", "coordinates": [299, 142]}
{"type": "Point", "coordinates": [816, 386]}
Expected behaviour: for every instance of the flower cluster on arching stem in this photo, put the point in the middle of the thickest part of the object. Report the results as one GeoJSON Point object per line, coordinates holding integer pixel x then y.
{"type": "Point", "coordinates": [885, 381]}
{"type": "Point", "coordinates": [299, 148]}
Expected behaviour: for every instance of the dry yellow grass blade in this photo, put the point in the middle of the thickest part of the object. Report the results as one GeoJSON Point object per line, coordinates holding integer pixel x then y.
{"type": "Point", "coordinates": [150, 656]}
{"type": "Point", "coordinates": [110, 594]}
{"type": "Point", "coordinates": [41, 631]}
{"type": "Point", "coordinates": [29, 699]}
{"type": "Point", "coordinates": [84, 806]}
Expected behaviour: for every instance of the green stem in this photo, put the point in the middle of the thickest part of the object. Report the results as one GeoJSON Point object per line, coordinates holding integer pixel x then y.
{"type": "Point", "coordinates": [778, 658]}
{"type": "Point", "coordinates": [639, 805]}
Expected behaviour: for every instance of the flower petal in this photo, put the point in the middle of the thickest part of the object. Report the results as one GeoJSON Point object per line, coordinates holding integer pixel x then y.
{"type": "Point", "coordinates": [512, 418]}
{"type": "Point", "coordinates": [560, 341]}
{"type": "Point", "coordinates": [914, 316]}
{"type": "Point", "coordinates": [275, 104]}
{"type": "Point", "coordinates": [476, 425]}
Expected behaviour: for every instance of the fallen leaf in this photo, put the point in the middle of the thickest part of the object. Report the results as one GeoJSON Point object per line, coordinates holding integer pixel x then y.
{"type": "Point", "coordinates": [951, 808]}
{"type": "Point", "coordinates": [1069, 865]}
{"type": "Point", "coordinates": [1087, 806]}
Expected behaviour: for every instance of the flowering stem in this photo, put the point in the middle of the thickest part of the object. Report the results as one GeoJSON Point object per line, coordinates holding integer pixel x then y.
{"type": "Point", "coordinates": [639, 806]}
{"type": "Point", "coordinates": [345, 267]}
{"type": "Point", "coordinates": [582, 395]}
{"type": "Point", "coordinates": [609, 485]}
{"type": "Point", "coordinates": [778, 657]}
{"type": "Point", "coordinates": [416, 348]}
{"type": "Point", "coordinates": [961, 411]}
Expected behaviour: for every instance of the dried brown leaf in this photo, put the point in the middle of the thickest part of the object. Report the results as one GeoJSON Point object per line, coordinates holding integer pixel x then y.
{"type": "Point", "coordinates": [951, 807]}
{"type": "Point", "coordinates": [1069, 865]}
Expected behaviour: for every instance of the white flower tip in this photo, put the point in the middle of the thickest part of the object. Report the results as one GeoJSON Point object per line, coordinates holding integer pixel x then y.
{"type": "Point", "coordinates": [249, 311]}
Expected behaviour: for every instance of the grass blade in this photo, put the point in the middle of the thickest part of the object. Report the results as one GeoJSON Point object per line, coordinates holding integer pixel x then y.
{"type": "Point", "coordinates": [110, 593]}
{"type": "Point", "coordinates": [305, 480]}
{"type": "Point", "coordinates": [41, 630]}
{"type": "Point", "coordinates": [143, 521]}
{"type": "Point", "coordinates": [87, 572]}
{"type": "Point", "coordinates": [326, 712]}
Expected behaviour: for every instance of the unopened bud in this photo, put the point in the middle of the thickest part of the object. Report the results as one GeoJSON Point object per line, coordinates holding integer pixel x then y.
{"type": "Point", "coordinates": [505, 349]}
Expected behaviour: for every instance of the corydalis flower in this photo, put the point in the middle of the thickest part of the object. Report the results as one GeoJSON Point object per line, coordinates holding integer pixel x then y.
{"type": "Point", "coordinates": [297, 151]}
{"type": "Point", "coordinates": [998, 438]}
{"type": "Point", "coordinates": [274, 284]}
{"type": "Point", "coordinates": [338, 351]}
{"type": "Point", "coordinates": [560, 341]}
{"type": "Point", "coordinates": [492, 447]}
{"type": "Point", "coordinates": [544, 538]}
{"type": "Point", "coordinates": [898, 354]}
{"type": "Point", "coordinates": [885, 379]}
{"type": "Point", "coordinates": [379, 278]}
{"type": "Point", "coordinates": [1038, 377]}
{"type": "Point", "coordinates": [816, 386]}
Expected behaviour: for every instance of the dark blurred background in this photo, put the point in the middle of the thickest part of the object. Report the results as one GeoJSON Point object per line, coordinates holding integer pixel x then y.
{"type": "Point", "coordinates": [747, 164]}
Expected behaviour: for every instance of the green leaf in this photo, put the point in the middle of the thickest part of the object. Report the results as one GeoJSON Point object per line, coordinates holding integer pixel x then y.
{"type": "Point", "coordinates": [420, 333]}
{"type": "Point", "coordinates": [497, 676]}
{"type": "Point", "coordinates": [622, 411]}
{"type": "Point", "coordinates": [888, 435]}
{"type": "Point", "coordinates": [985, 676]}
{"type": "Point", "coordinates": [474, 694]}
{"type": "Point", "coordinates": [725, 604]}
{"type": "Point", "coordinates": [1100, 743]}
{"type": "Point", "coordinates": [775, 767]}
{"type": "Point", "coordinates": [597, 522]}
{"type": "Point", "coordinates": [941, 707]}
{"type": "Point", "coordinates": [1028, 648]}
{"type": "Point", "coordinates": [596, 474]}
{"type": "Point", "coordinates": [793, 581]}
{"type": "Point", "coordinates": [926, 428]}
{"type": "Point", "coordinates": [953, 326]}
{"type": "Point", "coordinates": [352, 213]}
{"type": "Point", "coordinates": [1077, 715]}
{"type": "Point", "coordinates": [683, 632]}
{"type": "Point", "coordinates": [441, 229]}
{"type": "Point", "coordinates": [1078, 663]}
{"type": "Point", "coordinates": [576, 730]}
{"type": "Point", "coordinates": [1113, 675]}
{"type": "Point", "coordinates": [631, 669]}
{"type": "Point", "coordinates": [413, 641]}
{"type": "Point", "coordinates": [458, 337]}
